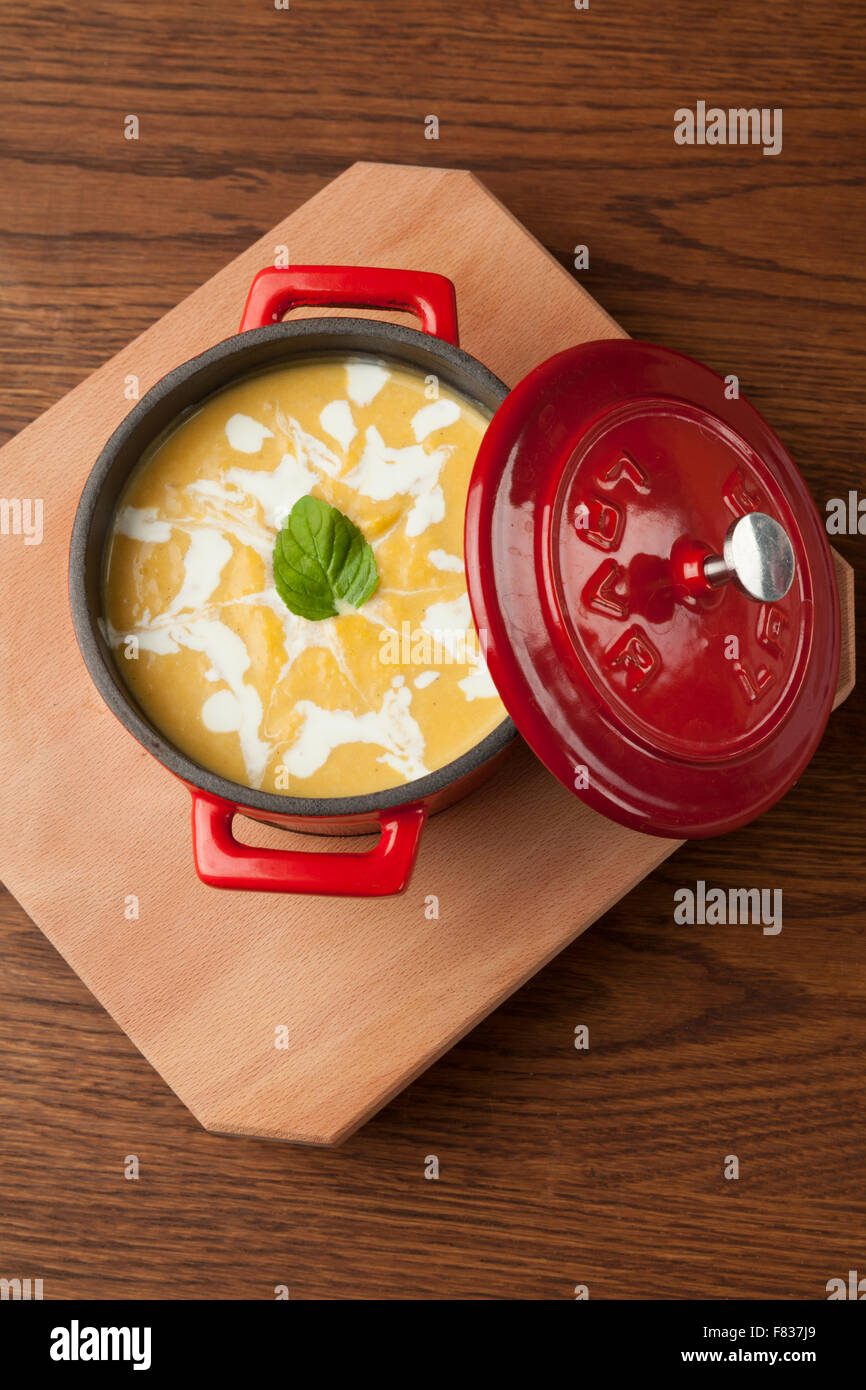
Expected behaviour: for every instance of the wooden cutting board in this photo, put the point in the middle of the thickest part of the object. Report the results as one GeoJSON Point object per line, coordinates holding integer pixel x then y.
{"type": "Point", "coordinates": [94, 834]}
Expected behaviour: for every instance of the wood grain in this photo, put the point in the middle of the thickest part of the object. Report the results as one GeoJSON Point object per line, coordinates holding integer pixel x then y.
{"type": "Point", "coordinates": [557, 1167]}
{"type": "Point", "coordinates": [371, 991]}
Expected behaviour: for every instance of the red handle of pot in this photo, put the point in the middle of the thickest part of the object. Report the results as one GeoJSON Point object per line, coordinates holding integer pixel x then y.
{"type": "Point", "coordinates": [223, 862]}
{"type": "Point", "coordinates": [275, 291]}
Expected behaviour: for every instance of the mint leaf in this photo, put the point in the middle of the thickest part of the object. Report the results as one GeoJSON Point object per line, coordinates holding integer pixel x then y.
{"type": "Point", "coordinates": [320, 558]}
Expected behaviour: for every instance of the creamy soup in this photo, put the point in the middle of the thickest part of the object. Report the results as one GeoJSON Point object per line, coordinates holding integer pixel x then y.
{"type": "Point", "coordinates": [371, 698]}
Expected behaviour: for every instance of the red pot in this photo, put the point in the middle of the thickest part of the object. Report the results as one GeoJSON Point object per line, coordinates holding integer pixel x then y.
{"type": "Point", "coordinates": [653, 580]}
{"type": "Point", "coordinates": [398, 813]}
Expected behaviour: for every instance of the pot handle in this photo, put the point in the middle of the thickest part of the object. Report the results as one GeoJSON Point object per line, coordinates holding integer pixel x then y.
{"type": "Point", "coordinates": [275, 290]}
{"type": "Point", "coordinates": [223, 862]}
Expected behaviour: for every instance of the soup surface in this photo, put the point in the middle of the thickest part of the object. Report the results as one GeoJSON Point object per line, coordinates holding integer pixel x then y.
{"type": "Point", "coordinates": [372, 698]}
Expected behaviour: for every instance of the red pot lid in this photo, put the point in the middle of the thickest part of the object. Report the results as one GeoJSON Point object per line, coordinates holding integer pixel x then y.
{"type": "Point", "coordinates": [654, 589]}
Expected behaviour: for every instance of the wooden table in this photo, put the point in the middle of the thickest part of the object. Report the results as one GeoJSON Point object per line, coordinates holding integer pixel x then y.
{"type": "Point", "coordinates": [558, 1167]}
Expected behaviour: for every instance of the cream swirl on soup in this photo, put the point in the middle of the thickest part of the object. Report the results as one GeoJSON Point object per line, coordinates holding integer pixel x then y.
{"type": "Point", "coordinates": [371, 698]}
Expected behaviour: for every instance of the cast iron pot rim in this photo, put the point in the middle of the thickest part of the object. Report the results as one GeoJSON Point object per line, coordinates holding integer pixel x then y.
{"type": "Point", "coordinates": [85, 622]}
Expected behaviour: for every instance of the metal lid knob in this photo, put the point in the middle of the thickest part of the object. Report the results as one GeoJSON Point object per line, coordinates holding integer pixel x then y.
{"type": "Point", "coordinates": [757, 555]}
